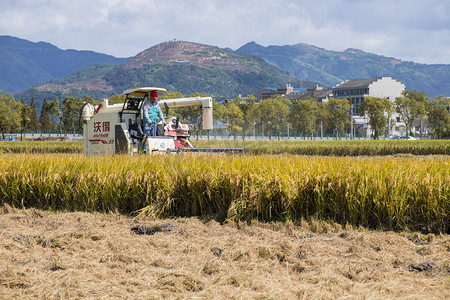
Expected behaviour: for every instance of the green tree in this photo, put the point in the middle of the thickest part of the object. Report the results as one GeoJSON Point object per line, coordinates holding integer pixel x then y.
{"type": "Point", "coordinates": [34, 121]}
{"type": "Point", "coordinates": [233, 118]}
{"type": "Point", "coordinates": [218, 111]}
{"type": "Point", "coordinates": [25, 119]}
{"type": "Point", "coordinates": [246, 105]}
{"type": "Point", "coordinates": [171, 95]}
{"type": "Point", "coordinates": [266, 112]}
{"type": "Point", "coordinates": [44, 118]}
{"type": "Point", "coordinates": [54, 112]}
{"type": "Point", "coordinates": [9, 115]}
{"type": "Point", "coordinates": [378, 110]}
{"type": "Point", "coordinates": [338, 114]}
{"type": "Point", "coordinates": [439, 117]}
{"type": "Point", "coordinates": [304, 116]}
{"type": "Point", "coordinates": [274, 113]}
{"type": "Point", "coordinates": [410, 106]}
{"type": "Point", "coordinates": [421, 104]}
{"type": "Point", "coordinates": [403, 106]}
{"type": "Point", "coordinates": [322, 119]}
{"type": "Point", "coordinates": [115, 99]}
{"type": "Point", "coordinates": [71, 112]}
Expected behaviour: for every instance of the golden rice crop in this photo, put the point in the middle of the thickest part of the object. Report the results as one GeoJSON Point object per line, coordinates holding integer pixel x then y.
{"type": "Point", "coordinates": [383, 192]}
{"type": "Point", "coordinates": [42, 147]}
{"type": "Point", "coordinates": [337, 148]}
{"type": "Point", "coordinates": [325, 147]}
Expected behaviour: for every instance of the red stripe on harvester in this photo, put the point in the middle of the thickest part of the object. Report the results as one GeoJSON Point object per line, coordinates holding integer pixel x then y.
{"type": "Point", "coordinates": [103, 141]}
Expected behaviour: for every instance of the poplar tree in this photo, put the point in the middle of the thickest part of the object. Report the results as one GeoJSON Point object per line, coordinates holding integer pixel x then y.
{"type": "Point", "coordinates": [24, 111]}
{"type": "Point", "coordinates": [44, 119]}
{"type": "Point", "coordinates": [439, 117]}
{"type": "Point", "coordinates": [34, 120]}
{"type": "Point", "coordinates": [234, 118]}
{"type": "Point", "coordinates": [338, 114]}
{"type": "Point", "coordinates": [246, 105]}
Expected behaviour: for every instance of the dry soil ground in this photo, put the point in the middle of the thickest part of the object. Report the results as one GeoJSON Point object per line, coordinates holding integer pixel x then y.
{"type": "Point", "coordinates": [90, 255]}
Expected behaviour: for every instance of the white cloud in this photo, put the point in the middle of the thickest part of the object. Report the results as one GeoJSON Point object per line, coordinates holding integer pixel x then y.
{"type": "Point", "coordinates": [407, 29]}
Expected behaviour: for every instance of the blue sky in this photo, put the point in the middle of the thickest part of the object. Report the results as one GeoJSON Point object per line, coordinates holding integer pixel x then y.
{"type": "Point", "coordinates": [411, 30]}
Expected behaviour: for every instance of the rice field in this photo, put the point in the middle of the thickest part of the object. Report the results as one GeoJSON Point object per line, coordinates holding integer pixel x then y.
{"type": "Point", "coordinates": [387, 193]}
{"type": "Point", "coordinates": [299, 147]}
{"type": "Point", "coordinates": [42, 147]}
{"type": "Point", "coordinates": [289, 226]}
{"type": "Point", "coordinates": [337, 148]}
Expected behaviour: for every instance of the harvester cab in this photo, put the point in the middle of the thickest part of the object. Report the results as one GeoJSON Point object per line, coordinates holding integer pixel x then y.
{"type": "Point", "coordinates": [131, 114]}
{"type": "Point", "coordinates": [117, 128]}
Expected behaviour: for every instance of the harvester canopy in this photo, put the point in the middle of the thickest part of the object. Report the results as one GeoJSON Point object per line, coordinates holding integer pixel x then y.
{"type": "Point", "coordinates": [143, 91]}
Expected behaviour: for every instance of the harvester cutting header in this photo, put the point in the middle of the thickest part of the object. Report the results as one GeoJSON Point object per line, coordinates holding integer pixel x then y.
{"type": "Point", "coordinates": [117, 128]}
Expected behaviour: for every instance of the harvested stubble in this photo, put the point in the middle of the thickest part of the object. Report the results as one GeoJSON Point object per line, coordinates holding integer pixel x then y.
{"type": "Point", "coordinates": [384, 193]}
{"type": "Point", "coordinates": [77, 255]}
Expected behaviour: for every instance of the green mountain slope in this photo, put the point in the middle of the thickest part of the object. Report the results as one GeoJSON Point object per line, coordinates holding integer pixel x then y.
{"type": "Point", "coordinates": [177, 66]}
{"type": "Point", "coordinates": [330, 68]}
{"type": "Point", "coordinates": [24, 64]}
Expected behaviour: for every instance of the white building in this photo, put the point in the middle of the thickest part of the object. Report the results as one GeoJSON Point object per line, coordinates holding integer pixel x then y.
{"type": "Point", "coordinates": [381, 87]}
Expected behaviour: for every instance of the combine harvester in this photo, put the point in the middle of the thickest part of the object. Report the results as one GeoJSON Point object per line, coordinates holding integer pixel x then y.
{"type": "Point", "coordinates": [117, 128]}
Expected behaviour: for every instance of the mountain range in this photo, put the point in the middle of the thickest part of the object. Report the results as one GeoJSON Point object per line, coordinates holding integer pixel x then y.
{"type": "Point", "coordinates": [41, 70]}
{"type": "Point", "coordinates": [330, 67]}
{"type": "Point", "coordinates": [24, 64]}
{"type": "Point", "coordinates": [177, 66]}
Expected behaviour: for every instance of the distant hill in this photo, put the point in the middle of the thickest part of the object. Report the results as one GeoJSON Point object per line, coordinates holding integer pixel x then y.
{"type": "Point", "coordinates": [330, 68]}
{"type": "Point", "coordinates": [177, 66]}
{"type": "Point", "coordinates": [24, 64]}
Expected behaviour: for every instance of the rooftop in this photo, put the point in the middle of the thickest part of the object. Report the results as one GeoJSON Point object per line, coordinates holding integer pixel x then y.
{"type": "Point", "coordinates": [318, 94]}
{"type": "Point", "coordinates": [281, 89]}
{"type": "Point", "coordinates": [356, 83]}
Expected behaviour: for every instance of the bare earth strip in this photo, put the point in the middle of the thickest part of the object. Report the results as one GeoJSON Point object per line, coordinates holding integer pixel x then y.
{"type": "Point", "coordinates": [90, 255]}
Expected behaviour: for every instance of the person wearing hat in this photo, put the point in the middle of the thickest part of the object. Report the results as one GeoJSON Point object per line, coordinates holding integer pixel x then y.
{"type": "Point", "coordinates": [152, 112]}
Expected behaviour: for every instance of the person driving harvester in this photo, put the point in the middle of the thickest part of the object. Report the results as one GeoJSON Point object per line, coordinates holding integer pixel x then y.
{"type": "Point", "coordinates": [152, 112]}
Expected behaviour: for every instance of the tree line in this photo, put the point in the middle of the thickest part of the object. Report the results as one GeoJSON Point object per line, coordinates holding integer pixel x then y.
{"type": "Point", "coordinates": [308, 117]}
{"type": "Point", "coordinates": [240, 115]}
{"type": "Point", "coordinates": [17, 116]}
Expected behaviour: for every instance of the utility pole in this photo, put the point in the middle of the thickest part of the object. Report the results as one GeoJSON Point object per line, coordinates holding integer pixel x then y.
{"type": "Point", "coordinates": [389, 126]}
{"type": "Point", "coordinates": [321, 130]}
{"type": "Point", "coordinates": [351, 122]}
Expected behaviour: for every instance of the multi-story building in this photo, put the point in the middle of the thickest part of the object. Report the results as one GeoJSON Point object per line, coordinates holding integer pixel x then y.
{"type": "Point", "coordinates": [381, 87]}
{"type": "Point", "coordinates": [317, 93]}
{"type": "Point", "coordinates": [272, 92]}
